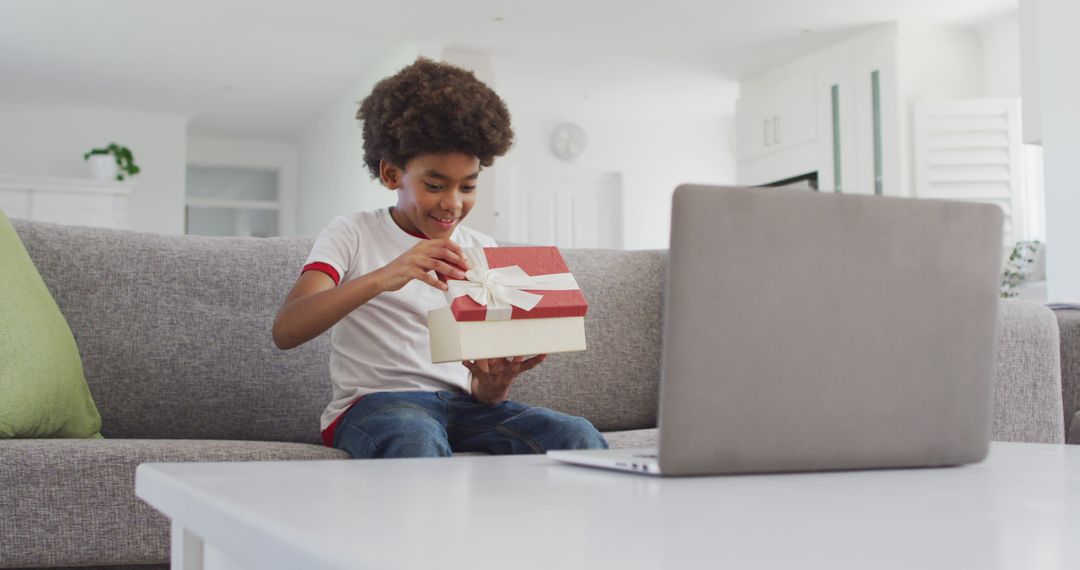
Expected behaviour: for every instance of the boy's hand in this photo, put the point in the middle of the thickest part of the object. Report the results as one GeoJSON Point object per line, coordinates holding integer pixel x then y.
{"type": "Point", "coordinates": [491, 378]}
{"type": "Point", "coordinates": [441, 255]}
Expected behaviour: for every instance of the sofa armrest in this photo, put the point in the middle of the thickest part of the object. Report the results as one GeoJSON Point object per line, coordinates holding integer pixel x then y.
{"type": "Point", "coordinates": [1069, 329]}
{"type": "Point", "coordinates": [1027, 392]}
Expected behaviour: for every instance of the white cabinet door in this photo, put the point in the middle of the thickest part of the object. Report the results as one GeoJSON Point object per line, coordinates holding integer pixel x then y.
{"type": "Point", "coordinates": [751, 127]}
{"type": "Point", "coordinates": [776, 112]}
{"type": "Point", "coordinates": [836, 125]}
{"type": "Point", "coordinates": [787, 124]}
{"type": "Point", "coordinates": [877, 125]}
{"type": "Point", "coordinates": [794, 117]}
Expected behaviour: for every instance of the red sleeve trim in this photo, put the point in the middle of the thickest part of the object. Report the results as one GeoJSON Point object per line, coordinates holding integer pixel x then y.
{"type": "Point", "coordinates": [324, 268]}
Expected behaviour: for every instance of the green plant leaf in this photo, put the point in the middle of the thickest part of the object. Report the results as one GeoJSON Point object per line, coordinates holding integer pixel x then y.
{"type": "Point", "coordinates": [125, 159]}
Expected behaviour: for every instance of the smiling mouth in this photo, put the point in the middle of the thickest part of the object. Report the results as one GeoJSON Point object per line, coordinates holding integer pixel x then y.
{"type": "Point", "coordinates": [444, 221]}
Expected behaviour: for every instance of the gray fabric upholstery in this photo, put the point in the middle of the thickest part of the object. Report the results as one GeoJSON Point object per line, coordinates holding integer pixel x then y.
{"type": "Point", "coordinates": [124, 567]}
{"type": "Point", "coordinates": [632, 438]}
{"type": "Point", "coordinates": [1027, 393]}
{"type": "Point", "coordinates": [174, 333]}
{"type": "Point", "coordinates": [1069, 330]}
{"type": "Point", "coordinates": [72, 502]}
{"type": "Point", "coordinates": [615, 383]}
{"type": "Point", "coordinates": [202, 309]}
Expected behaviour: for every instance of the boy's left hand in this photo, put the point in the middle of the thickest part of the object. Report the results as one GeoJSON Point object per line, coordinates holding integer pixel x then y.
{"type": "Point", "coordinates": [491, 377]}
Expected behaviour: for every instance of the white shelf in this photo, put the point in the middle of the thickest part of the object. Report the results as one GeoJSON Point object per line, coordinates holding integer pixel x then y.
{"type": "Point", "coordinates": [228, 203]}
{"type": "Point", "coordinates": [55, 184]}
{"type": "Point", "coordinates": [73, 201]}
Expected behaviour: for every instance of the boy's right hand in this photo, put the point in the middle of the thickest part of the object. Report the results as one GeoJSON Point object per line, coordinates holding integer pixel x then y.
{"type": "Point", "coordinates": [440, 255]}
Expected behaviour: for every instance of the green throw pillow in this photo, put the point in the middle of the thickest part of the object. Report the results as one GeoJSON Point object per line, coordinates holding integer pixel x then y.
{"type": "Point", "coordinates": [42, 389]}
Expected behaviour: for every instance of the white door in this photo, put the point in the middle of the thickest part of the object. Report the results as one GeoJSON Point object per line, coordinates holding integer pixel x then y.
{"type": "Point", "coordinates": [573, 210]}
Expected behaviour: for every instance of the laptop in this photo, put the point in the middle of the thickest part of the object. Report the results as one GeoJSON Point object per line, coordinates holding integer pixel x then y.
{"type": "Point", "coordinates": [806, 331]}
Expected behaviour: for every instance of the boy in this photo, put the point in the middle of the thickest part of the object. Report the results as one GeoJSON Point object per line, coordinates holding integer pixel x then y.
{"type": "Point", "coordinates": [428, 130]}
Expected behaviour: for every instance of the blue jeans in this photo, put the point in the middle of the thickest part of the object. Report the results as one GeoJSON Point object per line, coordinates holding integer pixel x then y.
{"type": "Point", "coordinates": [437, 424]}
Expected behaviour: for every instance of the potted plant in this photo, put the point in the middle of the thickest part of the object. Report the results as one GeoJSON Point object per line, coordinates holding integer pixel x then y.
{"type": "Point", "coordinates": [113, 161]}
{"type": "Point", "coordinates": [1017, 267]}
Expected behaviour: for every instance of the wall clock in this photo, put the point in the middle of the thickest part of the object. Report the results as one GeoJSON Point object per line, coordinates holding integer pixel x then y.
{"type": "Point", "coordinates": [568, 141]}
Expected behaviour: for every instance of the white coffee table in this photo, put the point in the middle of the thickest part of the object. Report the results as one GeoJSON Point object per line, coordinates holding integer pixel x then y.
{"type": "Point", "coordinates": [1019, 509]}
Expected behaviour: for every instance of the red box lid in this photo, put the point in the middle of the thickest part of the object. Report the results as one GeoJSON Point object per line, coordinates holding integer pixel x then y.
{"type": "Point", "coordinates": [534, 261]}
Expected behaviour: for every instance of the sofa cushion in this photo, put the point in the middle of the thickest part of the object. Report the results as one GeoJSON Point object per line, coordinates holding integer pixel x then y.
{"type": "Point", "coordinates": [41, 375]}
{"type": "Point", "coordinates": [72, 502]}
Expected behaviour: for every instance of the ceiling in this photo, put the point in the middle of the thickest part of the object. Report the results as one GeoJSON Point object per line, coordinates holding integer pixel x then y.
{"type": "Point", "coordinates": [264, 68]}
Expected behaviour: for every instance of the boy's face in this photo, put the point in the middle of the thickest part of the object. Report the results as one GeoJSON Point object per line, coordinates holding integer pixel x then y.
{"type": "Point", "coordinates": [435, 192]}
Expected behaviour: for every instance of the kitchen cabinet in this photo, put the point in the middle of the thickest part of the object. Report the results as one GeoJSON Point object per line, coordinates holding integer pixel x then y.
{"type": "Point", "coordinates": [843, 127]}
{"type": "Point", "coordinates": [776, 112]}
{"type": "Point", "coordinates": [70, 201]}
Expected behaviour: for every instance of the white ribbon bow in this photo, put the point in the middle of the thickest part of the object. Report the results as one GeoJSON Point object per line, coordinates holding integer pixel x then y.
{"type": "Point", "coordinates": [502, 289]}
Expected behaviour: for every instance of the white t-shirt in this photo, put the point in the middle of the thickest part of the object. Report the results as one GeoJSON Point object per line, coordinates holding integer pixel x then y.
{"type": "Point", "coordinates": [382, 346]}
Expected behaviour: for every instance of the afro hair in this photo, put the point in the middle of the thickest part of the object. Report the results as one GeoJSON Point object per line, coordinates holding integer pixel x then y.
{"type": "Point", "coordinates": [432, 107]}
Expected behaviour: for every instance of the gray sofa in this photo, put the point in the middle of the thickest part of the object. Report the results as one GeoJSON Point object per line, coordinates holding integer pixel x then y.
{"type": "Point", "coordinates": [174, 334]}
{"type": "Point", "coordinates": [1069, 326]}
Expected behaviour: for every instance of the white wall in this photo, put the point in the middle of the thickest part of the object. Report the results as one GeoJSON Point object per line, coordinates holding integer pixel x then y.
{"type": "Point", "coordinates": [1056, 47]}
{"type": "Point", "coordinates": [653, 157]}
{"type": "Point", "coordinates": [1030, 82]}
{"type": "Point", "coordinates": [482, 216]}
{"type": "Point", "coordinates": [51, 140]}
{"type": "Point", "coordinates": [933, 63]}
{"type": "Point", "coordinates": [279, 156]}
{"type": "Point", "coordinates": [1000, 42]}
{"type": "Point", "coordinates": [333, 179]}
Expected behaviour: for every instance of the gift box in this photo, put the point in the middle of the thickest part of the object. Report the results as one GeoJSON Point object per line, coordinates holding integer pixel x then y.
{"type": "Point", "coordinates": [514, 301]}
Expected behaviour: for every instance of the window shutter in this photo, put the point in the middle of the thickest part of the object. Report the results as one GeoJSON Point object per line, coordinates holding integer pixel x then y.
{"type": "Point", "coordinates": [972, 150]}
